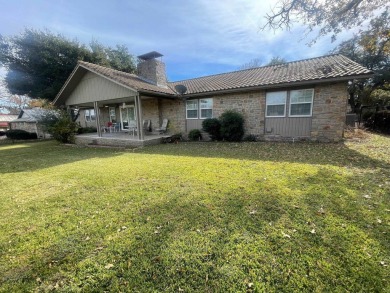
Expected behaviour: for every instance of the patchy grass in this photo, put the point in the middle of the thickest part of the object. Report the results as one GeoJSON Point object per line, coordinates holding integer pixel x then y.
{"type": "Point", "coordinates": [208, 217]}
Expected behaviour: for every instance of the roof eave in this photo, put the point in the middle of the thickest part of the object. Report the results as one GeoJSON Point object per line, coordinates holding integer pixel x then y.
{"type": "Point", "coordinates": [279, 85]}
{"type": "Point", "coordinates": [65, 84]}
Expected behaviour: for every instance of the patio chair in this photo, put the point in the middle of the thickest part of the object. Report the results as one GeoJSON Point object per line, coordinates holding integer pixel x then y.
{"type": "Point", "coordinates": [146, 126]}
{"type": "Point", "coordinates": [163, 127]}
{"type": "Point", "coordinates": [132, 127]}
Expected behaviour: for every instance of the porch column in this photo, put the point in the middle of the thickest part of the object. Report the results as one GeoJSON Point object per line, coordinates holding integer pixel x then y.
{"type": "Point", "coordinates": [138, 108]}
{"type": "Point", "coordinates": [97, 113]}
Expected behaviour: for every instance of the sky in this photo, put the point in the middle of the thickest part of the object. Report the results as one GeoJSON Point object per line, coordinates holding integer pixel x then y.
{"type": "Point", "coordinates": [197, 37]}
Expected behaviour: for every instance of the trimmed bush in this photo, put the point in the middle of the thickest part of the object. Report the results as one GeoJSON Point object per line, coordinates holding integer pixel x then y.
{"type": "Point", "coordinates": [20, 134]}
{"type": "Point", "coordinates": [82, 130]}
{"type": "Point", "coordinates": [195, 135]}
{"type": "Point", "coordinates": [2, 133]}
{"type": "Point", "coordinates": [212, 126]}
{"type": "Point", "coordinates": [232, 125]}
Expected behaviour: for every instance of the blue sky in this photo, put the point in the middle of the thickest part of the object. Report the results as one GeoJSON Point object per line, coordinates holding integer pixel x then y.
{"type": "Point", "coordinates": [197, 38]}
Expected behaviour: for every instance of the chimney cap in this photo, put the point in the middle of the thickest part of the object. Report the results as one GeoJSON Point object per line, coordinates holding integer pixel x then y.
{"type": "Point", "coordinates": [150, 55]}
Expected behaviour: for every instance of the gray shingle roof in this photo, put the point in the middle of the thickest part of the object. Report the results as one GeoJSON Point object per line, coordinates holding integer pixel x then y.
{"type": "Point", "coordinates": [127, 79]}
{"type": "Point", "coordinates": [315, 69]}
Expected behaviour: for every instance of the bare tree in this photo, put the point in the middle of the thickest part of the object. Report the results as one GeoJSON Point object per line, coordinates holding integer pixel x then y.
{"type": "Point", "coordinates": [331, 16]}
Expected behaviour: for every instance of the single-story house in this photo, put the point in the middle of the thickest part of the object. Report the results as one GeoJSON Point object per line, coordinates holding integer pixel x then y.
{"type": "Point", "coordinates": [5, 119]}
{"type": "Point", "coordinates": [304, 99]}
{"type": "Point", "coordinates": [28, 120]}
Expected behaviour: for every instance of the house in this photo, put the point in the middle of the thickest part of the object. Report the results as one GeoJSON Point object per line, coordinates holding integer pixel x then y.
{"type": "Point", "coordinates": [5, 119]}
{"type": "Point", "coordinates": [28, 120]}
{"type": "Point", "coordinates": [304, 99]}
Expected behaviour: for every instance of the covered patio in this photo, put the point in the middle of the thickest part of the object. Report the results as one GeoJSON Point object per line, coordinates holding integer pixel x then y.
{"type": "Point", "coordinates": [124, 109]}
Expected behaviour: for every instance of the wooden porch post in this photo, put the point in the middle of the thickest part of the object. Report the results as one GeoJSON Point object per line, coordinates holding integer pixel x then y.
{"type": "Point", "coordinates": [97, 113]}
{"type": "Point", "coordinates": [138, 107]}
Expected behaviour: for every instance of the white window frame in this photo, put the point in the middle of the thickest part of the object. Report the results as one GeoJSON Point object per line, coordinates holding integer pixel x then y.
{"type": "Point", "coordinates": [267, 104]}
{"type": "Point", "coordinates": [197, 109]}
{"type": "Point", "coordinates": [109, 113]}
{"type": "Point", "coordinates": [311, 103]}
{"type": "Point", "coordinates": [200, 108]}
{"type": "Point", "coordinates": [88, 116]}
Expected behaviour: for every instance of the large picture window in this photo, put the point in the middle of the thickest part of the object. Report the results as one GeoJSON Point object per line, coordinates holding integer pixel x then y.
{"type": "Point", "coordinates": [90, 115]}
{"type": "Point", "coordinates": [301, 102]}
{"type": "Point", "coordinates": [276, 104]}
{"type": "Point", "coordinates": [199, 109]}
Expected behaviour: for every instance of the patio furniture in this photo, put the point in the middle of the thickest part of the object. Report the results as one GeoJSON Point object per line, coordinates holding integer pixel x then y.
{"type": "Point", "coordinates": [132, 127]}
{"type": "Point", "coordinates": [163, 127]}
{"type": "Point", "coordinates": [146, 125]}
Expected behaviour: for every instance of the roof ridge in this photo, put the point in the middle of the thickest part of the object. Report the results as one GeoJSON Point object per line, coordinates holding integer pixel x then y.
{"type": "Point", "coordinates": [265, 66]}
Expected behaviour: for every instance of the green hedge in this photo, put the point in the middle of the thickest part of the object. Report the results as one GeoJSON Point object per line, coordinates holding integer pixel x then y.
{"type": "Point", "coordinates": [20, 134]}
{"type": "Point", "coordinates": [195, 135]}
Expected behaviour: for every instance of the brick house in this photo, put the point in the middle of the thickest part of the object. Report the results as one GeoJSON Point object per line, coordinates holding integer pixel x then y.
{"type": "Point", "coordinates": [304, 99]}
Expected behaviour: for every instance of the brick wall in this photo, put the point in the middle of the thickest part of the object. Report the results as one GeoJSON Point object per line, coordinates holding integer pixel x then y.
{"type": "Point", "coordinates": [174, 111]}
{"type": "Point", "coordinates": [329, 112]}
{"type": "Point", "coordinates": [150, 112]}
{"type": "Point", "coordinates": [251, 105]}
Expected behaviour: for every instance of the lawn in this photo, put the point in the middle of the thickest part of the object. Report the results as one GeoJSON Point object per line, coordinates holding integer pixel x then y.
{"type": "Point", "coordinates": [203, 217]}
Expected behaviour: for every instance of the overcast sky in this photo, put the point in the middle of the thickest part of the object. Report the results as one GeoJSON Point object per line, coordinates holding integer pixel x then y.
{"type": "Point", "coordinates": [197, 37]}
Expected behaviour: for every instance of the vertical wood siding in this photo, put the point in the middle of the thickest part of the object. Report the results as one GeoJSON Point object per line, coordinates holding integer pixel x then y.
{"type": "Point", "coordinates": [194, 124]}
{"type": "Point", "coordinates": [93, 87]}
{"type": "Point", "coordinates": [288, 127]}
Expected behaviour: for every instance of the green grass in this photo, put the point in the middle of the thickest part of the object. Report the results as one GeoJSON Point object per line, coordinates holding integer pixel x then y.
{"type": "Point", "coordinates": [206, 217]}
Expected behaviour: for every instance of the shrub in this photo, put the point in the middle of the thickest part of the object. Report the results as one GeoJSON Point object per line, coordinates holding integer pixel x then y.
{"type": "Point", "coordinates": [82, 130]}
{"type": "Point", "coordinates": [232, 126]}
{"type": "Point", "coordinates": [379, 121]}
{"type": "Point", "coordinates": [2, 133]}
{"type": "Point", "coordinates": [195, 134]}
{"type": "Point", "coordinates": [212, 126]}
{"type": "Point", "coordinates": [64, 129]}
{"type": "Point", "coordinates": [20, 134]}
{"type": "Point", "coordinates": [250, 137]}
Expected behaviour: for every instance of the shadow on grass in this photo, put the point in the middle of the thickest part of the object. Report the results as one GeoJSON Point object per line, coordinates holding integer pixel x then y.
{"type": "Point", "coordinates": [39, 155]}
{"type": "Point", "coordinates": [224, 242]}
{"type": "Point", "coordinates": [307, 153]}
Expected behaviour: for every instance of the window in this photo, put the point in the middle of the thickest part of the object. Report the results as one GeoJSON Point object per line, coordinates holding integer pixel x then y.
{"type": "Point", "coordinates": [276, 104]}
{"type": "Point", "coordinates": [206, 108]}
{"type": "Point", "coordinates": [301, 102]}
{"type": "Point", "coordinates": [202, 106]}
{"type": "Point", "coordinates": [112, 113]}
{"type": "Point", "coordinates": [192, 109]}
{"type": "Point", "coordinates": [90, 115]}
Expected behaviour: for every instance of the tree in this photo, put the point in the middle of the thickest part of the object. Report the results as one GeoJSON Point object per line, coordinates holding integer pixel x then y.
{"type": "Point", "coordinates": [330, 16]}
{"type": "Point", "coordinates": [276, 61]}
{"type": "Point", "coordinates": [371, 48]}
{"type": "Point", "coordinates": [254, 63]}
{"type": "Point", "coordinates": [39, 62]}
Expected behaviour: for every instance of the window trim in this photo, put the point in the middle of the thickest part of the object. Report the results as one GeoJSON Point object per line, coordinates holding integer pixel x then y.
{"type": "Point", "coordinates": [109, 113]}
{"type": "Point", "coordinates": [285, 104]}
{"type": "Point", "coordinates": [197, 109]}
{"type": "Point", "coordinates": [311, 103]}
{"type": "Point", "coordinates": [200, 109]}
{"type": "Point", "coordinates": [88, 117]}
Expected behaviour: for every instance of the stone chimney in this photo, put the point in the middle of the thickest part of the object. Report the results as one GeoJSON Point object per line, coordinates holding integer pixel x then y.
{"type": "Point", "coordinates": [152, 70]}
